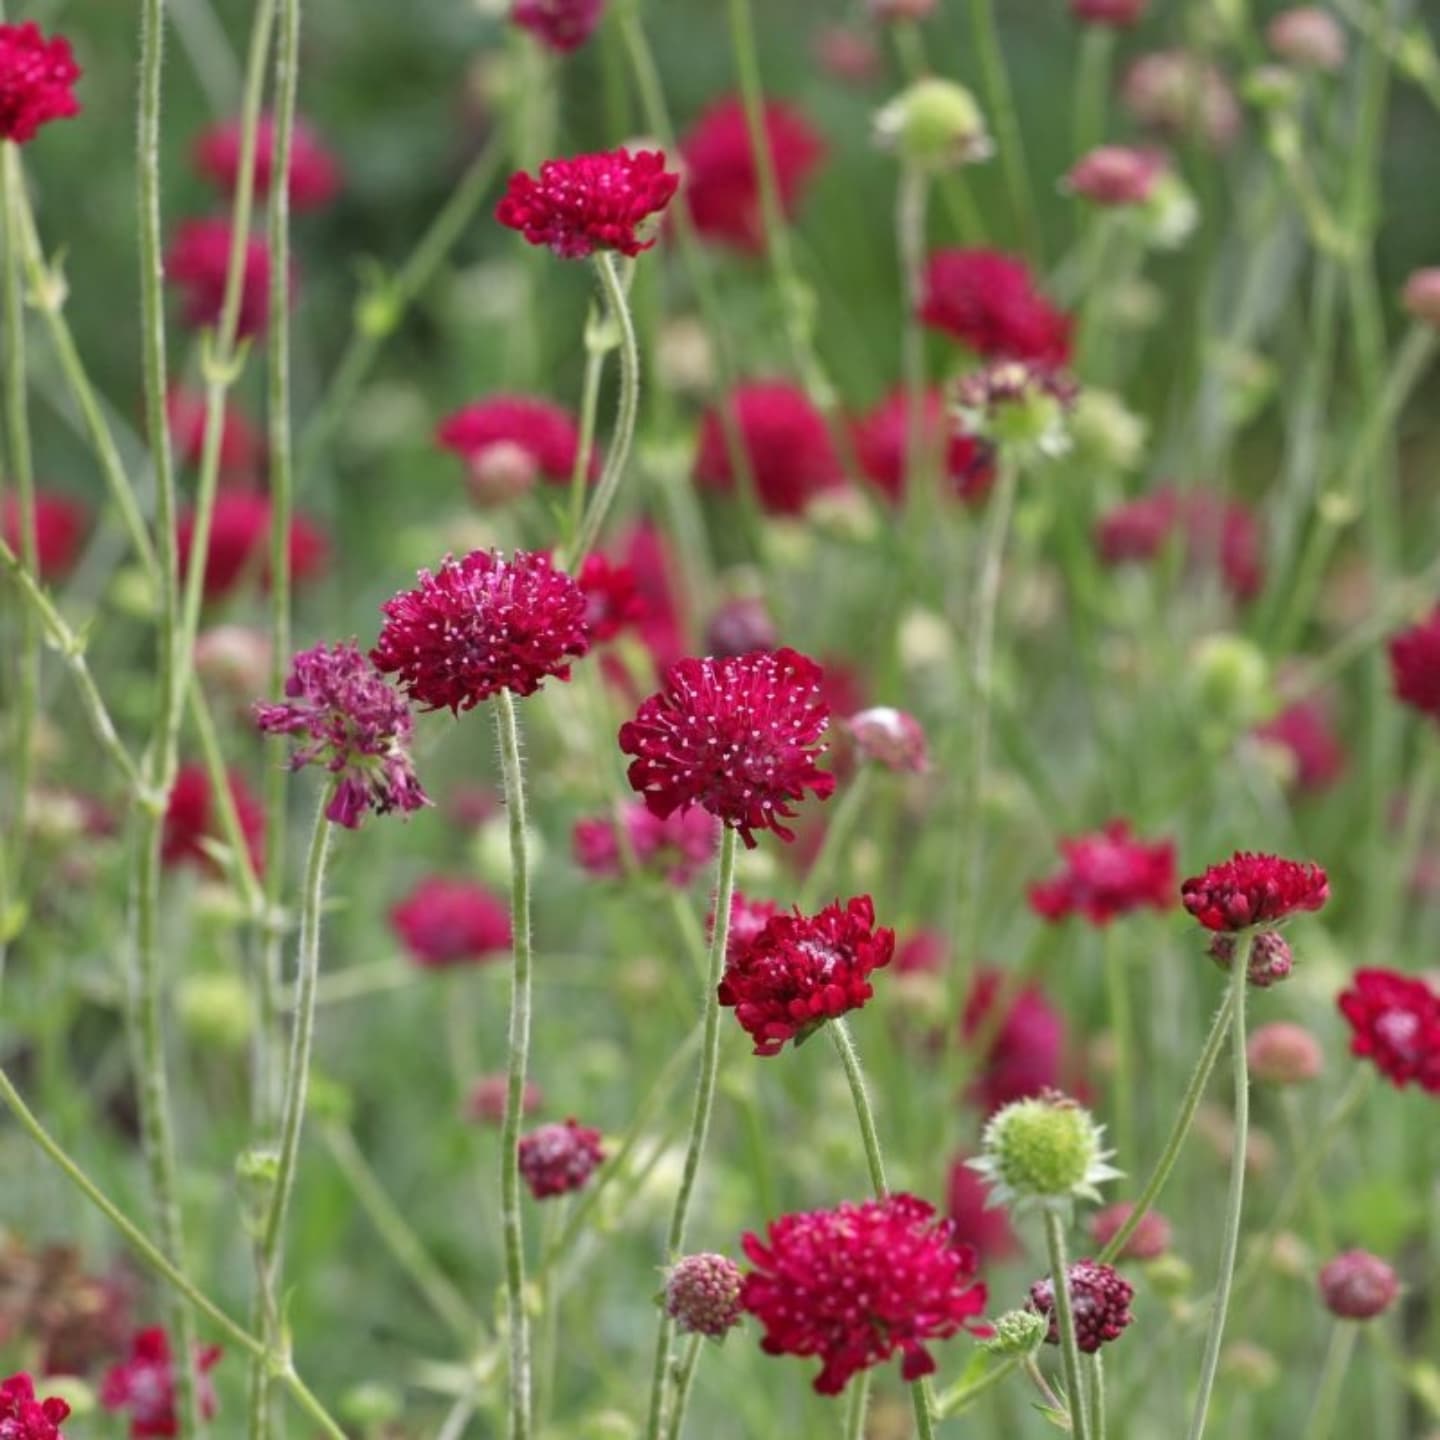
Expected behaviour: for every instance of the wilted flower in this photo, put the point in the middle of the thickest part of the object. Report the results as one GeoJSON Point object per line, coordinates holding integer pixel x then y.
{"type": "Point", "coordinates": [1019, 406]}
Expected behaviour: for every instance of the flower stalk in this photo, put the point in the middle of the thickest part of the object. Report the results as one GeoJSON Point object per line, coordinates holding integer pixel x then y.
{"type": "Point", "coordinates": [1065, 1321]}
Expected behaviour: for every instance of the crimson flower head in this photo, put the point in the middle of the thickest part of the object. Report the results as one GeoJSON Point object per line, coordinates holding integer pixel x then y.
{"type": "Point", "coordinates": [722, 185]}
{"type": "Point", "coordinates": [738, 737]}
{"type": "Point", "coordinates": [975, 1219]}
{"type": "Point", "coordinates": [242, 450]}
{"type": "Point", "coordinates": [37, 80]}
{"type": "Point", "coordinates": [802, 970]}
{"type": "Point", "coordinates": [449, 922]}
{"type": "Point", "coordinates": [559, 25]}
{"type": "Point", "coordinates": [1106, 875]}
{"type": "Point", "coordinates": [747, 919]}
{"type": "Point", "coordinates": [1150, 1239]}
{"type": "Point", "coordinates": [989, 301]}
{"type": "Point", "coordinates": [59, 527]}
{"type": "Point", "coordinates": [613, 602]}
{"type": "Point", "coordinates": [1251, 889]}
{"type": "Point", "coordinates": [239, 546]}
{"type": "Point", "coordinates": [509, 441]}
{"type": "Point", "coordinates": [855, 1284]}
{"type": "Point", "coordinates": [198, 261]}
{"type": "Point", "coordinates": [190, 820]}
{"type": "Point", "coordinates": [1415, 665]}
{"type": "Point", "coordinates": [1306, 733]}
{"type": "Point", "coordinates": [590, 202]}
{"type": "Point", "coordinates": [144, 1385]}
{"type": "Point", "coordinates": [314, 172]}
{"type": "Point", "coordinates": [1357, 1285]}
{"type": "Point", "coordinates": [785, 439]}
{"type": "Point", "coordinates": [1100, 1298]}
{"type": "Point", "coordinates": [354, 724]}
{"type": "Point", "coordinates": [678, 847]}
{"type": "Point", "coordinates": [559, 1158]}
{"type": "Point", "coordinates": [1394, 1021]}
{"type": "Point", "coordinates": [882, 448]}
{"type": "Point", "coordinates": [23, 1417]}
{"type": "Point", "coordinates": [1025, 1052]}
{"type": "Point", "coordinates": [481, 625]}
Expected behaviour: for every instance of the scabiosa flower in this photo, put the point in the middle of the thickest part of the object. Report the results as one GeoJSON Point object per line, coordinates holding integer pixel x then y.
{"type": "Point", "coordinates": [242, 450]}
{"type": "Point", "coordinates": [989, 301]}
{"type": "Point", "coordinates": [191, 820]}
{"type": "Point", "coordinates": [446, 922]}
{"type": "Point", "coordinates": [1415, 665]}
{"type": "Point", "coordinates": [1045, 1152]}
{"type": "Point", "coordinates": [485, 1103]}
{"type": "Point", "coordinates": [1116, 175]}
{"type": "Point", "coordinates": [612, 596]}
{"type": "Point", "coordinates": [1100, 1299]}
{"type": "Point", "coordinates": [722, 186]}
{"type": "Point", "coordinates": [1421, 296]}
{"type": "Point", "coordinates": [738, 737]}
{"type": "Point", "coordinates": [144, 1385]}
{"type": "Point", "coordinates": [1151, 1238]}
{"type": "Point", "coordinates": [975, 1220]}
{"type": "Point", "coordinates": [881, 446]}
{"type": "Point", "coordinates": [37, 80]}
{"type": "Point", "coordinates": [1306, 735]}
{"type": "Point", "coordinates": [1395, 1023]}
{"type": "Point", "coordinates": [785, 439]}
{"type": "Point", "coordinates": [891, 738]}
{"type": "Point", "coordinates": [702, 1295]}
{"type": "Point", "coordinates": [1308, 38]}
{"type": "Point", "coordinates": [747, 919]}
{"type": "Point", "coordinates": [508, 441]}
{"type": "Point", "coordinates": [559, 25]}
{"type": "Point", "coordinates": [314, 172]}
{"type": "Point", "coordinates": [481, 625]}
{"type": "Point", "coordinates": [559, 1158]}
{"type": "Point", "coordinates": [1026, 1044]}
{"type": "Point", "coordinates": [198, 261]}
{"type": "Point", "coordinates": [1283, 1053]}
{"type": "Point", "coordinates": [1117, 14]}
{"type": "Point", "coordinates": [855, 1284]}
{"type": "Point", "coordinates": [234, 659]}
{"type": "Point", "coordinates": [1356, 1285]}
{"type": "Point", "coordinates": [1251, 889]}
{"type": "Point", "coordinates": [1108, 874]}
{"type": "Point", "coordinates": [59, 527]}
{"type": "Point", "coordinates": [239, 547]}
{"type": "Point", "coordinates": [802, 970]}
{"type": "Point", "coordinates": [355, 725]}
{"type": "Point", "coordinates": [679, 846]}
{"type": "Point", "coordinates": [590, 202]}
{"type": "Point", "coordinates": [23, 1417]}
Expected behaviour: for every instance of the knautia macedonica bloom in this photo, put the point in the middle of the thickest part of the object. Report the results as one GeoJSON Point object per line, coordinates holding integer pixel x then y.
{"type": "Point", "coordinates": [990, 302]}
{"type": "Point", "coordinates": [23, 1417]}
{"type": "Point", "coordinates": [143, 1385]}
{"type": "Point", "coordinates": [37, 81]}
{"type": "Point", "coordinates": [354, 724]}
{"type": "Point", "coordinates": [738, 737]}
{"type": "Point", "coordinates": [740, 625]}
{"type": "Point", "coordinates": [559, 25]}
{"type": "Point", "coordinates": [509, 441]}
{"type": "Point", "coordinates": [242, 447]}
{"type": "Point", "coordinates": [1421, 296]}
{"type": "Point", "coordinates": [1251, 889]}
{"type": "Point", "coordinates": [802, 970]}
{"type": "Point", "coordinates": [1357, 1285]}
{"type": "Point", "coordinates": [1108, 874]}
{"type": "Point", "coordinates": [613, 602]}
{"type": "Point", "coordinates": [1415, 665]}
{"type": "Point", "coordinates": [855, 1284]}
{"type": "Point", "coordinates": [1150, 1240]}
{"type": "Point", "coordinates": [747, 919]}
{"type": "Point", "coordinates": [60, 524]}
{"type": "Point", "coordinates": [239, 543]}
{"type": "Point", "coordinates": [975, 1219]}
{"type": "Point", "coordinates": [198, 262]}
{"type": "Point", "coordinates": [191, 821]}
{"type": "Point", "coordinates": [1018, 406]}
{"type": "Point", "coordinates": [1394, 1021]}
{"type": "Point", "coordinates": [1025, 1054]}
{"type": "Point", "coordinates": [1283, 1053]}
{"type": "Point", "coordinates": [881, 440]}
{"type": "Point", "coordinates": [889, 737]}
{"type": "Point", "coordinates": [1116, 175]}
{"type": "Point", "coordinates": [1305, 737]}
{"type": "Point", "coordinates": [678, 847]}
{"type": "Point", "coordinates": [485, 1104]}
{"type": "Point", "coordinates": [444, 922]}
{"type": "Point", "coordinates": [1043, 1152]}
{"type": "Point", "coordinates": [702, 1295]}
{"type": "Point", "coordinates": [481, 625]}
{"type": "Point", "coordinates": [314, 172]}
{"type": "Point", "coordinates": [559, 1158]}
{"type": "Point", "coordinates": [1100, 1299]}
{"type": "Point", "coordinates": [590, 202]}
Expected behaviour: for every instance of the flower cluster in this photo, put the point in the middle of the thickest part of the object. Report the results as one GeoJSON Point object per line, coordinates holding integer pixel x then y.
{"type": "Point", "coordinates": [23, 1417]}
{"type": "Point", "coordinates": [1395, 1023]}
{"type": "Point", "coordinates": [314, 174]}
{"type": "Point", "coordinates": [559, 1158]}
{"type": "Point", "coordinates": [509, 441]}
{"type": "Point", "coordinates": [855, 1284]}
{"type": "Point", "coordinates": [989, 301]}
{"type": "Point", "coordinates": [702, 1295]}
{"type": "Point", "coordinates": [1106, 875]}
{"type": "Point", "coordinates": [143, 1385]}
{"type": "Point", "coordinates": [802, 970]}
{"type": "Point", "coordinates": [1100, 1299]}
{"type": "Point", "coordinates": [449, 922]}
{"type": "Point", "coordinates": [679, 846]}
{"type": "Point", "coordinates": [198, 261]}
{"type": "Point", "coordinates": [355, 725]}
{"type": "Point", "coordinates": [1252, 889]}
{"type": "Point", "coordinates": [613, 602]}
{"type": "Point", "coordinates": [37, 81]}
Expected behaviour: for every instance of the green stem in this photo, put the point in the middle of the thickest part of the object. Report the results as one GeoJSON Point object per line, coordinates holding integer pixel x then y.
{"type": "Point", "coordinates": [699, 1121]}
{"type": "Point", "coordinates": [589, 406]}
{"type": "Point", "coordinates": [1122, 1035]}
{"type": "Point", "coordinates": [964, 1394]}
{"type": "Point", "coordinates": [1239, 979]}
{"type": "Point", "coordinates": [511, 1220]}
{"type": "Point", "coordinates": [1065, 1322]}
{"type": "Point", "coordinates": [837, 838]}
{"type": "Point", "coordinates": [1000, 101]}
{"type": "Point", "coordinates": [1332, 1380]}
{"type": "Point", "coordinates": [1092, 86]}
{"type": "Point", "coordinates": [684, 1380]}
{"type": "Point", "coordinates": [224, 802]}
{"type": "Point", "coordinates": [1096, 1367]}
{"type": "Point", "coordinates": [617, 458]}
{"type": "Point", "coordinates": [858, 1409]}
{"type": "Point", "coordinates": [855, 1078]}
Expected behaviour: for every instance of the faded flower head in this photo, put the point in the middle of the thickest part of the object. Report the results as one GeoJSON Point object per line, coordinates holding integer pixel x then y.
{"type": "Point", "coordinates": [144, 1385]}
{"type": "Point", "coordinates": [559, 25]}
{"type": "Point", "coordinates": [855, 1284]}
{"type": "Point", "coordinates": [1251, 889]}
{"type": "Point", "coordinates": [37, 81]}
{"type": "Point", "coordinates": [990, 302]}
{"type": "Point", "coordinates": [1099, 1298]}
{"type": "Point", "coordinates": [1394, 1021]}
{"type": "Point", "coordinates": [890, 737]}
{"type": "Point", "coordinates": [702, 1295]}
{"type": "Point", "coordinates": [444, 922]}
{"type": "Point", "coordinates": [559, 1158]}
{"type": "Point", "coordinates": [480, 625]}
{"type": "Point", "coordinates": [1308, 38]}
{"type": "Point", "coordinates": [354, 724]}
{"type": "Point", "coordinates": [1044, 1151]}
{"type": "Point", "coordinates": [1108, 874]}
{"type": "Point", "coordinates": [1178, 93]}
{"type": "Point", "coordinates": [590, 202]}
{"type": "Point", "coordinates": [1019, 406]}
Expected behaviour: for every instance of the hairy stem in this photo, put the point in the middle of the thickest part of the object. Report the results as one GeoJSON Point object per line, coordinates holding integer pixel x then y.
{"type": "Point", "coordinates": [1065, 1322]}
{"type": "Point", "coordinates": [1332, 1380]}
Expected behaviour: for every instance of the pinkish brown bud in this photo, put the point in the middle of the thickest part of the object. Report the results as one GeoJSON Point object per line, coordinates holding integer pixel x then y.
{"type": "Point", "coordinates": [500, 473]}
{"type": "Point", "coordinates": [235, 659]}
{"type": "Point", "coordinates": [740, 627]}
{"type": "Point", "coordinates": [1358, 1286]}
{"type": "Point", "coordinates": [1422, 296]}
{"type": "Point", "coordinates": [702, 1295]}
{"type": "Point", "coordinates": [890, 738]}
{"type": "Point", "coordinates": [1283, 1053]}
{"type": "Point", "coordinates": [1151, 1238]}
{"type": "Point", "coordinates": [1116, 175]}
{"type": "Point", "coordinates": [1270, 959]}
{"type": "Point", "coordinates": [1308, 38]}
{"type": "Point", "coordinates": [1178, 93]}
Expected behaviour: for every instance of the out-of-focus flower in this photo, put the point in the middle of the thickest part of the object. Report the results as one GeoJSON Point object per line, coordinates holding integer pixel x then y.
{"type": "Point", "coordinates": [59, 527]}
{"type": "Point", "coordinates": [1178, 93]}
{"type": "Point", "coordinates": [1306, 734]}
{"type": "Point", "coordinates": [989, 301]}
{"type": "Point", "coordinates": [144, 1385]}
{"type": "Point", "coordinates": [898, 10]}
{"type": "Point", "coordinates": [559, 25]}
{"type": "Point", "coordinates": [37, 81]}
{"type": "Point", "coordinates": [702, 1295]}
{"type": "Point", "coordinates": [1356, 1285]}
{"type": "Point", "coordinates": [1252, 889]}
{"type": "Point", "coordinates": [1108, 874]}
{"type": "Point", "coordinates": [191, 820]}
{"type": "Point", "coordinates": [891, 738]}
{"type": "Point", "coordinates": [612, 595]}
{"type": "Point", "coordinates": [1415, 665]}
{"type": "Point", "coordinates": [239, 547]}
{"type": "Point", "coordinates": [1421, 296]}
{"type": "Point", "coordinates": [314, 171]}
{"type": "Point", "coordinates": [975, 1219]}
{"type": "Point", "coordinates": [509, 441]}
{"type": "Point", "coordinates": [847, 54]}
{"type": "Point", "coordinates": [198, 261]}
{"type": "Point", "coordinates": [1018, 406]}
{"type": "Point", "coordinates": [1099, 1300]}
{"type": "Point", "coordinates": [235, 659]}
{"type": "Point", "coordinates": [1308, 38]}
{"type": "Point", "coordinates": [882, 448]}
{"type": "Point", "coordinates": [1116, 14]}
{"type": "Point", "coordinates": [485, 1103]}
{"type": "Point", "coordinates": [24, 1417]}
{"type": "Point", "coordinates": [1024, 1045]}
{"type": "Point", "coordinates": [934, 124]}
{"type": "Point", "coordinates": [559, 1158]}
{"type": "Point", "coordinates": [740, 626]}
{"type": "Point", "coordinates": [1117, 175]}
{"type": "Point", "coordinates": [1283, 1053]}
{"type": "Point", "coordinates": [1394, 1022]}
{"type": "Point", "coordinates": [679, 846]}
{"type": "Point", "coordinates": [1106, 431]}
{"type": "Point", "coordinates": [242, 449]}
{"type": "Point", "coordinates": [444, 922]}
{"type": "Point", "coordinates": [1151, 1237]}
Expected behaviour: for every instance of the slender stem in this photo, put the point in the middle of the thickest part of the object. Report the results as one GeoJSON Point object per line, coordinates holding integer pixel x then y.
{"type": "Point", "coordinates": [1096, 1367]}
{"type": "Point", "coordinates": [964, 1394]}
{"type": "Point", "coordinates": [837, 838]}
{"type": "Point", "coordinates": [1065, 1322]}
{"type": "Point", "coordinates": [1092, 86]}
{"type": "Point", "coordinates": [1179, 1132]}
{"type": "Point", "coordinates": [684, 1380]}
{"type": "Point", "coordinates": [1332, 1380]}
{"type": "Point", "coordinates": [1122, 1036]}
{"type": "Point", "coordinates": [855, 1077]}
{"type": "Point", "coordinates": [585, 450]}
{"type": "Point", "coordinates": [858, 1409]}
{"type": "Point", "coordinates": [1239, 979]}
{"type": "Point", "coordinates": [519, 1057]}
{"type": "Point", "coordinates": [1043, 1388]}
{"type": "Point", "coordinates": [224, 801]}
{"type": "Point", "coordinates": [699, 1121]}
{"type": "Point", "coordinates": [1000, 101]}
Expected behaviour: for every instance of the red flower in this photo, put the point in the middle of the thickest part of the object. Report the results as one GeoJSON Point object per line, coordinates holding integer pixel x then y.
{"type": "Point", "coordinates": [1118, 14]}
{"type": "Point", "coordinates": [722, 186]}
{"type": "Point", "coordinates": [1108, 874]}
{"type": "Point", "coordinates": [1395, 1022]}
{"type": "Point", "coordinates": [241, 447]}
{"type": "Point", "coordinates": [23, 1417]}
{"type": "Point", "coordinates": [881, 446]}
{"type": "Point", "coordinates": [1305, 732]}
{"type": "Point", "coordinates": [198, 261]}
{"type": "Point", "coordinates": [508, 441]}
{"type": "Point", "coordinates": [658, 578]}
{"type": "Point", "coordinates": [679, 846]}
{"type": "Point", "coordinates": [1151, 1237]}
{"type": "Point", "coordinates": [1253, 889]}
{"type": "Point", "coordinates": [590, 202]}
{"type": "Point", "coordinates": [145, 1385]}
{"type": "Point", "coordinates": [37, 78]}
{"type": "Point", "coordinates": [314, 173]}
{"type": "Point", "coordinates": [1357, 1285]}
{"type": "Point", "coordinates": [59, 526]}
{"type": "Point", "coordinates": [855, 1284]}
{"type": "Point", "coordinates": [1024, 1049]}
{"type": "Point", "coordinates": [612, 597]}
{"type": "Point", "coordinates": [802, 970]}
{"type": "Point", "coordinates": [1415, 665]}
{"type": "Point", "coordinates": [354, 724]}
{"type": "Point", "coordinates": [446, 922]}
{"type": "Point", "coordinates": [1117, 174]}
{"type": "Point", "coordinates": [926, 952]}
{"type": "Point", "coordinates": [239, 546]}
{"type": "Point", "coordinates": [556, 1159]}
{"type": "Point", "coordinates": [974, 1220]}
{"type": "Point", "coordinates": [786, 440]}
{"type": "Point", "coordinates": [1100, 1299]}
{"type": "Point", "coordinates": [486, 1102]}
{"type": "Point", "coordinates": [191, 819]}
{"type": "Point", "coordinates": [561, 25]}
{"type": "Point", "coordinates": [989, 301]}
{"type": "Point", "coordinates": [738, 737]}
{"type": "Point", "coordinates": [747, 919]}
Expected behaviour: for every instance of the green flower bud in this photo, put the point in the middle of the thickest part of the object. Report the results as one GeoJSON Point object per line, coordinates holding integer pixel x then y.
{"type": "Point", "coordinates": [1170, 1276]}
{"type": "Point", "coordinates": [1230, 683]}
{"type": "Point", "coordinates": [1106, 432]}
{"type": "Point", "coordinates": [329, 1100]}
{"type": "Point", "coordinates": [370, 1404]}
{"type": "Point", "coordinates": [934, 125]}
{"type": "Point", "coordinates": [216, 1011]}
{"type": "Point", "coordinates": [1044, 1151]}
{"type": "Point", "coordinates": [1018, 1333]}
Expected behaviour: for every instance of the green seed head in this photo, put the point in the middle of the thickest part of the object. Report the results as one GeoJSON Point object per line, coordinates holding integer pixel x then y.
{"type": "Point", "coordinates": [934, 125]}
{"type": "Point", "coordinates": [1018, 1333]}
{"type": "Point", "coordinates": [1044, 1151]}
